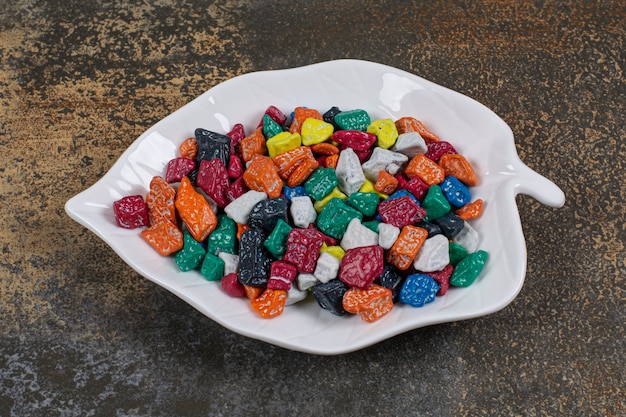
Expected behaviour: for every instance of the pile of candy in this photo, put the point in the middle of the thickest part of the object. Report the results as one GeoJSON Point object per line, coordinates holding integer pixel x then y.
{"type": "Point", "coordinates": [360, 213]}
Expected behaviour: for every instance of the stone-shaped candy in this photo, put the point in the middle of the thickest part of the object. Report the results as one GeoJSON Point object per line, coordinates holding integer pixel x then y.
{"type": "Point", "coordinates": [315, 131]}
{"type": "Point", "coordinates": [276, 242]}
{"type": "Point", "coordinates": [327, 267]}
{"type": "Point", "coordinates": [349, 173]}
{"type": "Point", "coordinates": [366, 203]}
{"type": "Point", "coordinates": [212, 145]}
{"type": "Point", "coordinates": [433, 255]}
{"type": "Point", "coordinates": [231, 262]}
{"type": "Point", "coordinates": [387, 235]}
{"type": "Point", "coordinates": [457, 253]}
{"type": "Point", "coordinates": [254, 260]}
{"type": "Point", "coordinates": [405, 248]}
{"type": "Point", "coordinates": [239, 209]}
{"type": "Point", "coordinates": [295, 295]}
{"type": "Point", "coordinates": [282, 275]}
{"type": "Point", "coordinates": [468, 238]}
{"type": "Point", "coordinates": [392, 279]}
{"type": "Point", "coordinates": [450, 224]}
{"type": "Point", "coordinates": [329, 296]}
{"type": "Point", "coordinates": [357, 235]}
{"type": "Point", "coordinates": [354, 139]}
{"type": "Point", "coordinates": [370, 304]}
{"type": "Point", "coordinates": [306, 281]}
{"type": "Point", "coordinates": [191, 255]}
{"type": "Point", "coordinates": [303, 247]}
{"type": "Point", "coordinates": [380, 160]}
{"type": "Point", "coordinates": [435, 203]}
{"type": "Point", "coordinates": [194, 211]}
{"type": "Point", "coordinates": [212, 267]}
{"type": "Point", "coordinates": [410, 144]}
{"type": "Point", "coordinates": [438, 148]}
{"type": "Point", "coordinates": [178, 168]}
{"type": "Point", "coordinates": [223, 238]}
{"type": "Point", "coordinates": [270, 127]}
{"type": "Point", "coordinates": [164, 237]}
{"type": "Point", "coordinates": [466, 271]}
{"type": "Point", "coordinates": [335, 217]}
{"type": "Point", "coordinates": [385, 131]}
{"type": "Point", "coordinates": [231, 285]}
{"type": "Point", "coordinates": [213, 180]}
{"type": "Point", "coordinates": [357, 119]}
{"type": "Point", "coordinates": [329, 116]}
{"type": "Point", "coordinates": [321, 182]}
{"type": "Point", "coordinates": [418, 289]}
{"type": "Point", "coordinates": [442, 278]}
{"type": "Point", "coordinates": [266, 213]}
{"type": "Point", "coordinates": [261, 175]}
{"type": "Point", "coordinates": [361, 266]}
{"type": "Point", "coordinates": [160, 201]}
{"type": "Point", "coordinates": [270, 303]}
{"type": "Point", "coordinates": [401, 211]}
{"type": "Point", "coordinates": [131, 212]}
{"type": "Point", "coordinates": [302, 211]}
{"type": "Point", "coordinates": [235, 190]}
{"type": "Point", "coordinates": [455, 191]}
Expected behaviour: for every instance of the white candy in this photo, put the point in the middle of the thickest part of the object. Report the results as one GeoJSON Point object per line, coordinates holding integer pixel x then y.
{"type": "Point", "coordinates": [410, 144]}
{"type": "Point", "coordinates": [231, 262]}
{"type": "Point", "coordinates": [349, 172]}
{"type": "Point", "coordinates": [295, 295]}
{"type": "Point", "coordinates": [380, 159]}
{"type": "Point", "coordinates": [393, 169]}
{"type": "Point", "coordinates": [387, 235]}
{"type": "Point", "coordinates": [434, 254]}
{"type": "Point", "coordinates": [357, 235]}
{"type": "Point", "coordinates": [327, 267]}
{"type": "Point", "coordinates": [468, 238]}
{"type": "Point", "coordinates": [302, 211]}
{"type": "Point", "coordinates": [239, 209]}
{"type": "Point", "coordinates": [306, 281]}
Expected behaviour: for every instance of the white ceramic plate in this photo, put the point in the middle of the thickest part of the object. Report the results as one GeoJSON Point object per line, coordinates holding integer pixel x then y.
{"type": "Point", "coordinates": [384, 92]}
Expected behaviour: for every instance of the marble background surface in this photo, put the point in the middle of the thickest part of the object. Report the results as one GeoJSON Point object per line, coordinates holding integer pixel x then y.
{"type": "Point", "coordinates": [81, 334]}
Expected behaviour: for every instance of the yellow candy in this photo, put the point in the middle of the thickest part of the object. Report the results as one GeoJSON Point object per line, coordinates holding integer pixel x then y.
{"type": "Point", "coordinates": [335, 193]}
{"type": "Point", "coordinates": [368, 187]}
{"type": "Point", "coordinates": [336, 251]}
{"type": "Point", "coordinates": [282, 143]}
{"type": "Point", "coordinates": [315, 131]}
{"type": "Point", "coordinates": [386, 132]}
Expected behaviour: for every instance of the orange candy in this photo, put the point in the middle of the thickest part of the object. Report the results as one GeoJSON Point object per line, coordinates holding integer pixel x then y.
{"type": "Point", "coordinates": [411, 124]}
{"type": "Point", "coordinates": [261, 175]}
{"type": "Point", "coordinates": [287, 162]}
{"type": "Point", "coordinates": [324, 148]}
{"type": "Point", "coordinates": [426, 169]}
{"type": "Point", "coordinates": [471, 210]}
{"type": "Point", "coordinates": [407, 245]}
{"type": "Point", "coordinates": [188, 149]}
{"type": "Point", "coordinates": [370, 304]}
{"type": "Point", "coordinates": [386, 183]}
{"type": "Point", "coordinates": [160, 201]}
{"type": "Point", "coordinates": [457, 165]}
{"type": "Point", "coordinates": [270, 303]}
{"type": "Point", "coordinates": [300, 114]}
{"type": "Point", "coordinates": [252, 292]}
{"type": "Point", "coordinates": [240, 229]}
{"type": "Point", "coordinates": [302, 172]}
{"type": "Point", "coordinates": [195, 211]}
{"type": "Point", "coordinates": [164, 237]}
{"type": "Point", "coordinates": [331, 161]}
{"type": "Point", "coordinates": [253, 144]}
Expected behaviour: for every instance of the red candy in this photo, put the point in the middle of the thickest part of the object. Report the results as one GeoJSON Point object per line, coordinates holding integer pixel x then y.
{"type": "Point", "coordinates": [178, 168]}
{"type": "Point", "coordinates": [436, 149]}
{"type": "Point", "coordinates": [213, 180]}
{"type": "Point", "coordinates": [282, 275]}
{"type": "Point", "coordinates": [361, 266]}
{"type": "Point", "coordinates": [443, 278]}
{"type": "Point", "coordinates": [232, 286]}
{"type": "Point", "coordinates": [303, 248]}
{"type": "Point", "coordinates": [401, 211]}
{"type": "Point", "coordinates": [131, 212]}
{"type": "Point", "coordinates": [355, 139]}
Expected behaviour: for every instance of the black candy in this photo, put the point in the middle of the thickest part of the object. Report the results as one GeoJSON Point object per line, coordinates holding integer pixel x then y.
{"type": "Point", "coordinates": [329, 296]}
{"type": "Point", "coordinates": [391, 279]}
{"type": "Point", "coordinates": [431, 228]}
{"type": "Point", "coordinates": [329, 116]}
{"type": "Point", "coordinates": [450, 224]}
{"type": "Point", "coordinates": [212, 145]}
{"type": "Point", "coordinates": [265, 214]}
{"type": "Point", "coordinates": [254, 260]}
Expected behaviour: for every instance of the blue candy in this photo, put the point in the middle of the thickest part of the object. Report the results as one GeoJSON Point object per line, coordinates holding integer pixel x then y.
{"type": "Point", "coordinates": [297, 191]}
{"type": "Point", "coordinates": [418, 289]}
{"type": "Point", "coordinates": [455, 191]}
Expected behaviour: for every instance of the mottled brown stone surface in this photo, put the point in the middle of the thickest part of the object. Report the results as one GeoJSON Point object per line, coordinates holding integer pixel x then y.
{"type": "Point", "coordinates": [82, 334]}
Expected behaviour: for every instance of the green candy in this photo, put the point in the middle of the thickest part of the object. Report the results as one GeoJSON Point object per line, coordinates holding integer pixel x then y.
{"type": "Point", "coordinates": [224, 237]}
{"type": "Point", "coordinates": [276, 242]}
{"type": "Point", "coordinates": [435, 203]}
{"type": "Point", "coordinates": [270, 127]}
{"type": "Point", "coordinates": [466, 271]}
{"type": "Point", "coordinates": [191, 255]}
{"type": "Point", "coordinates": [353, 120]}
{"type": "Point", "coordinates": [334, 218]}
{"type": "Point", "coordinates": [372, 225]}
{"type": "Point", "coordinates": [212, 267]}
{"type": "Point", "coordinates": [457, 253]}
{"type": "Point", "coordinates": [366, 203]}
{"type": "Point", "coordinates": [321, 183]}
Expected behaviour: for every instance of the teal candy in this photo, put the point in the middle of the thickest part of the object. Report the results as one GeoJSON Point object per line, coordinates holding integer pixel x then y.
{"type": "Point", "coordinates": [353, 120]}
{"type": "Point", "coordinates": [366, 203]}
{"type": "Point", "coordinates": [212, 267]}
{"type": "Point", "coordinates": [457, 253]}
{"type": "Point", "coordinates": [191, 255]}
{"type": "Point", "coordinates": [270, 127]}
{"type": "Point", "coordinates": [321, 183]}
{"type": "Point", "coordinates": [224, 237]}
{"type": "Point", "coordinates": [276, 242]}
{"type": "Point", "coordinates": [335, 217]}
{"type": "Point", "coordinates": [435, 203]}
{"type": "Point", "coordinates": [466, 271]}
{"type": "Point", "coordinates": [372, 225]}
